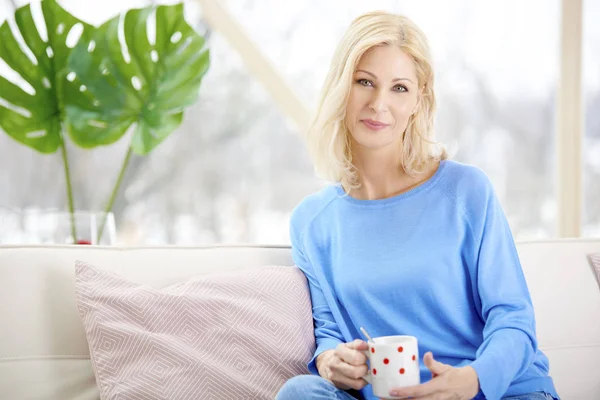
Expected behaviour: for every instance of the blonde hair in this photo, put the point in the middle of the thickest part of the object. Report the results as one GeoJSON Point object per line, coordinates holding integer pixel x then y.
{"type": "Point", "coordinates": [328, 139]}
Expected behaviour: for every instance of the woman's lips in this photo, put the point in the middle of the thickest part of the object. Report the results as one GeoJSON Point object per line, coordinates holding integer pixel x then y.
{"type": "Point", "coordinates": [374, 125]}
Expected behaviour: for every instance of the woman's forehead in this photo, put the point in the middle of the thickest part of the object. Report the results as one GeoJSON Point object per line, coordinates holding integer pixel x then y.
{"type": "Point", "coordinates": [387, 62]}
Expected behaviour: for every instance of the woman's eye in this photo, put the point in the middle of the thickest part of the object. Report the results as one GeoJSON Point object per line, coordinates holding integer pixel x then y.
{"type": "Point", "coordinates": [364, 82]}
{"type": "Point", "coordinates": [400, 88]}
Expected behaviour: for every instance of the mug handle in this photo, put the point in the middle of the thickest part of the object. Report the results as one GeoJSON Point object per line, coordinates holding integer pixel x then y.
{"type": "Point", "coordinates": [368, 376]}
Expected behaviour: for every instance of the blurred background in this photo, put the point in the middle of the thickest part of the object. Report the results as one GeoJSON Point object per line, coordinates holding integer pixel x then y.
{"type": "Point", "coordinates": [236, 167]}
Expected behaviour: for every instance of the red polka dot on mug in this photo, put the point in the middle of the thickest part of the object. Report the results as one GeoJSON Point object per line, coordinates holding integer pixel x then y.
{"type": "Point", "coordinates": [402, 370]}
{"type": "Point", "coordinates": [400, 349]}
{"type": "Point", "coordinates": [386, 361]}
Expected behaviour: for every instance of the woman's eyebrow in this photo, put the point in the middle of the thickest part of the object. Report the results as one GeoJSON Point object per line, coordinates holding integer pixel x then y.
{"type": "Point", "coordinates": [375, 76]}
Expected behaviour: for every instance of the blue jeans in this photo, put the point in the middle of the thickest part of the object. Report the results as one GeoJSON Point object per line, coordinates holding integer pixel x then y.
{"type": "Point", "coordinates": [312, 387]}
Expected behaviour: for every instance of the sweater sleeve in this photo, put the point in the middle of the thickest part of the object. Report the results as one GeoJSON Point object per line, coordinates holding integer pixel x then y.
{"type": "Point", "coordinates": [327, 332]}
{"type": "Point", "coordinates": [509, 340]}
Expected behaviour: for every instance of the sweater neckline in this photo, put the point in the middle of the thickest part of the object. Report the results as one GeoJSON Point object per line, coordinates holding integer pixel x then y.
{"type": "Point", "coordinates": [396, 198]}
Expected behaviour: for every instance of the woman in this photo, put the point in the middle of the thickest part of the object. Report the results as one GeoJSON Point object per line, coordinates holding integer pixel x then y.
{"type": "Point", "coordinates": [406, 242]}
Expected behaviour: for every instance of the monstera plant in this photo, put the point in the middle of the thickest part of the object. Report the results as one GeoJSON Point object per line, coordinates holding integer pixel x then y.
{"type": "Point", "coordinates": [35, 113]}
{"type": "Point", "coordinates": [100, 87]}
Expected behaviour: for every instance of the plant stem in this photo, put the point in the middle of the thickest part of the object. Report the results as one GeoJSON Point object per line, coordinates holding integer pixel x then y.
{"type": "Point", "coordinates": [63, 148]}
{"type": "Point", "coordinates": [113, 195]}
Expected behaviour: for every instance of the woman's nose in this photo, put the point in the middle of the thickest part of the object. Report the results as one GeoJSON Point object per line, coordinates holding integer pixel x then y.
{"type": "Point", "coordinates": [378, 102]}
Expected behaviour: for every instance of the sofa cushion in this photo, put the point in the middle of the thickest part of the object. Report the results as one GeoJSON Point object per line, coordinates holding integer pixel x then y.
{"type": "Point", "coordinates": [222, 336]}
{"type": "Point", "coordinates": [44, 352]}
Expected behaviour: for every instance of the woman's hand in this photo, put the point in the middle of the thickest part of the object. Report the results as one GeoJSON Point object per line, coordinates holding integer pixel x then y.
{"type": "Point", "coordinates": [345, 366]}
{"type": "Point", "coordinates": [448, 383]}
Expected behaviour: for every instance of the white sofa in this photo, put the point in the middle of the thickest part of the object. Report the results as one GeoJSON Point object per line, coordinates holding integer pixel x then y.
{"type": "Point", "coordinates": [44, 353]}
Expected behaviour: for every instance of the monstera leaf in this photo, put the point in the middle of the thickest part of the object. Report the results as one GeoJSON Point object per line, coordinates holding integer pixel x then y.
{"type": "Point", "coordinates": [34, 116]}
{"type": "Point", "coordinates": [138, 81]}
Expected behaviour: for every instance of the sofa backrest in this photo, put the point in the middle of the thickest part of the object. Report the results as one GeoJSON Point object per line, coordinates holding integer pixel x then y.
{"type": "Point", "coordinates": [44, 353]}
{"type": "Point", "coordinates": [566, 298]}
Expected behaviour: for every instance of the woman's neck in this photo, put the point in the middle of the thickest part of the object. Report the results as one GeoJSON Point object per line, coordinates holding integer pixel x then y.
{"type": "Point", "coordinates": [383, 177]}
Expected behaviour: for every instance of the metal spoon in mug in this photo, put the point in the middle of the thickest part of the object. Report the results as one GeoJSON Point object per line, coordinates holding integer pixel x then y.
{"type": "Point", "coordinates": [366, 335]}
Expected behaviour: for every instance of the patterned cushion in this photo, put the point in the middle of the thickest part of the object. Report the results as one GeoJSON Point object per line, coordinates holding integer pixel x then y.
{"type": "Point", "coordinates": [237, 335]}
{"type": "Point", "coordinates": [595, 260]}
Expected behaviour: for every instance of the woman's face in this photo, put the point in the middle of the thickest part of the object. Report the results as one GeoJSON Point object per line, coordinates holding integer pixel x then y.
{"type": "Point", "coordinates": [383, 96]}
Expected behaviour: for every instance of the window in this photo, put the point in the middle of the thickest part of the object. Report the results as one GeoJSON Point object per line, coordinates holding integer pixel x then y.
{"type": "Point", "coordinates": [496, 82]}
{"type": "Point", "coordinates": [591, 141]}
{"type": "Point", "coordinates": [231, 173]}
{"type": "Point", "coordinates": [237, 166]}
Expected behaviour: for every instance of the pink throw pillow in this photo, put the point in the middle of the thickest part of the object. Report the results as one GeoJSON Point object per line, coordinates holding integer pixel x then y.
{"type": "Point", "coordinates": [595, 260]}
{"type": "Point", "coordinates": [237, 335]}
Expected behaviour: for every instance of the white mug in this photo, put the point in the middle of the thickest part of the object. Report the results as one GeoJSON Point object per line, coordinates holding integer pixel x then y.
{"type": "Point", "coordinates": [393, 363]}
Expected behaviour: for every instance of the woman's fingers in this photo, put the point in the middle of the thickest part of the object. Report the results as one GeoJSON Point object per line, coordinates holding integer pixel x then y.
{"type": "Point", "coordinates": [341, 380]}
{"type": "Point", "coordinates": [352, 353]}
{"type": "Point", "coordinates": [350, 371]}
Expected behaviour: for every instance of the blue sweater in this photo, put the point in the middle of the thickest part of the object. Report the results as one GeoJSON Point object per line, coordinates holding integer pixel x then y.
{"type": "Point", "coordinates": [437, 262]}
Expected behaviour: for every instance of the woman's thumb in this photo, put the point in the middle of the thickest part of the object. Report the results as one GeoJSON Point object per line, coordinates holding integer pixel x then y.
{"type": "Point", "coordinates": [434, 366]}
